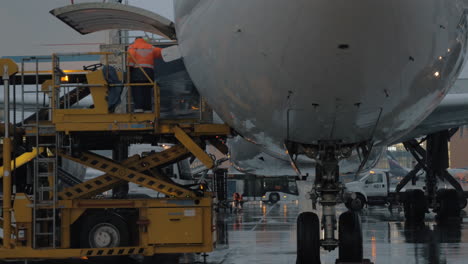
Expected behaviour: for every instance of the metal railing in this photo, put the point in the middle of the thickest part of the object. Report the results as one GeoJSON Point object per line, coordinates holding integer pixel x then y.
{"type": "Point", "coordinates": [179, 100]}
{"type": "Point", "coordinates": [35, 105]}
{"type": "Point", "coordinates": [61, 94]}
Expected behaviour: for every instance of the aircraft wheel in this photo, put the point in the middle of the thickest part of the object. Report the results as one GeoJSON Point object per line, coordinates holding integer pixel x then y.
{"type": "Point", "coordinates": [308, 238]}
{"type": "Point", "coordinates": [104, 231]}
{"type": "Point", "coordinates": [450, 206]}
{"type": "Point", "coordinates": [350, 237]}
{"type": "Point", "coordinates": [356, 204]}
{"type": "Point", "coordinates": [415, 206]}
{"type": "Point", "coordinates": [463, 203]}
{"type": "Point", "coordinates": [274, 198]}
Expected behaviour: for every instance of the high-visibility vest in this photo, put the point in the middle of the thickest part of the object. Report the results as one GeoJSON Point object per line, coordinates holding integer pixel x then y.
{"type": "Point", "coordinates": [143, 54]}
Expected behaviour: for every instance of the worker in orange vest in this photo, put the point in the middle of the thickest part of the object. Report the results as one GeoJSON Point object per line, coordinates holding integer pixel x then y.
{"type": "Point", "coordinates": [238, 201]}
{"type": "Point", "coordinates": [142, 55]}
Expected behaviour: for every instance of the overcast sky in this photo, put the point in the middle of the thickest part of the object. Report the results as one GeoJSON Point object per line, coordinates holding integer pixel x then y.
{"type": "Point", "coordinates": [162, 7]}
{"type": "Point", "coordinates": [33, 31]}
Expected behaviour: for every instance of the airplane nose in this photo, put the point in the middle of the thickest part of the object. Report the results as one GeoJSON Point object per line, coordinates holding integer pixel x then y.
{"type": "Point", "coordinates": [360, 68]}
{"type": "Point", "coordinates": [322, 70]}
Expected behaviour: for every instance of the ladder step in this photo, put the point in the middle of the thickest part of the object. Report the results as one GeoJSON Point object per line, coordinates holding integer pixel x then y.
{"type": "Point", "coordinates": [46, 248]}
{"type": "Point", "coordinates": [44, 203]}
{"type": "Point", "coordinates": [43, 206]}
{"type": "Point", "coordinates": [44, 219]}
{"type": "Point", "coordinates": [44, 234]}
{"type": "Point", "coordinates": [34, 109]}
{"type": "Point", "coordinates": [34, 124]}
{"type": "Point", "coordinates": [48, 160]}
{"type": "Point", "coordinates": [49, 210]}
{"type": "Point", "coordinates": [29, 125]}
{"type": "Point", "coordinates": [30, 92]}
{"type": "Point", "coordinates": [44, 175]}
{"type": "Point", "coordinates": [46, 145]}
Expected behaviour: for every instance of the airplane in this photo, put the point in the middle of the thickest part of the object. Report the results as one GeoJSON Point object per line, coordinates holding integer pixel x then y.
{"type": "Point", "coordinates": [319, 79]}
{"type": "Point", "coordinates": [324, 92]}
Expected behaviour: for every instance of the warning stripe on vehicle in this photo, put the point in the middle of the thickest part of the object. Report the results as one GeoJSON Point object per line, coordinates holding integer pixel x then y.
{"type": "Point", "coordinates": [112, 251]}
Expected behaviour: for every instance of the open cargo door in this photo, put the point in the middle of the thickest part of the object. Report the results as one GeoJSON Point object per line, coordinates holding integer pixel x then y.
{"type": "Point", "coordinates": [92, 17]}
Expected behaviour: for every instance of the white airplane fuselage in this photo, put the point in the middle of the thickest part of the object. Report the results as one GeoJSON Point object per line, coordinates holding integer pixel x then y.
{"type": "Point", "coordinates": [306, 71]}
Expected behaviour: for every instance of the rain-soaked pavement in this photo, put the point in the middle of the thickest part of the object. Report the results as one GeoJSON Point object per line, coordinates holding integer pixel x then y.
{"type": "Point", "coordinates": [266, 234]}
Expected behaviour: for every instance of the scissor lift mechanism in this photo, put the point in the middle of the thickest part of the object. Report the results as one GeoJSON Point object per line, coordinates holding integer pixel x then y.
{"type": "Point", "coordinates": [181, 222]}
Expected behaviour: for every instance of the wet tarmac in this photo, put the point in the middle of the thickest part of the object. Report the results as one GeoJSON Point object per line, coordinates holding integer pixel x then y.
{"type": "Point", "coordinates": [266, 234]}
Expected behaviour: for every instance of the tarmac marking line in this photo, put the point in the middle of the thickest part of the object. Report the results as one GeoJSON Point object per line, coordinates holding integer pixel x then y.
{"type": "Point", "coordinates": [263, 218]}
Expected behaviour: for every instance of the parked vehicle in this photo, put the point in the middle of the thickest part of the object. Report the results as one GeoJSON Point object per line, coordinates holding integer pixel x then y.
{"type": "Point", "coordinates": [266, 189]}
{"type": "Point", "coordinates": [375, 188]}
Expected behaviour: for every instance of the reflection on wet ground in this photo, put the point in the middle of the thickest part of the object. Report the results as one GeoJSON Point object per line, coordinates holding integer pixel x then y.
{"type": "Point", "coordinates": [266, 234]}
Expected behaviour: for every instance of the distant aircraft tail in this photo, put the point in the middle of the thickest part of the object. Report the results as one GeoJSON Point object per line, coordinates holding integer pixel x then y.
{"type": "Point", "coordinates": [395, 168]}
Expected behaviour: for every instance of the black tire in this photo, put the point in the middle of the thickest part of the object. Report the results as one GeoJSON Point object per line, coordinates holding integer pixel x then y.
{"type": "Point", "coordinates": [463, 203]}
{"type": "Point", "coordinates": [112, 222]}
{"type": "Point", "coordinates": [162, 259]}
{"type": "Point", "coordinates": [308, 238]}
{"type": "Point", "coordinates": [274, 198]}
{"type": "Point", "coordinates": [449, 204]}
{"type": "Point", "coordinates": [415, 206]}
{"type": "Point", "coordinates": [350, 238]}
{"type": "Point", "coordinates": [356, 204]}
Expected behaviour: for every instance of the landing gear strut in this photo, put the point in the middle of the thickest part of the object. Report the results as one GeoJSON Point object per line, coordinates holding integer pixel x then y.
{"type": "Point", "coordinates": [327, 187]}
{"type": "Point", "coordinates": [434, 160]}
{"type": "Point", "coordinates": [328, 191]}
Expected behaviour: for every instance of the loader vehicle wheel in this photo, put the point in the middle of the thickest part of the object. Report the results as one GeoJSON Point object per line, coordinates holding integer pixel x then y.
{"type": "Point", "coordinates": [104, 231]}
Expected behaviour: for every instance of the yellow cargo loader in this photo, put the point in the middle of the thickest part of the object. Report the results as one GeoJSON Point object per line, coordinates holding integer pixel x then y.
{"type": "Point", "coordinates": [54, 221]}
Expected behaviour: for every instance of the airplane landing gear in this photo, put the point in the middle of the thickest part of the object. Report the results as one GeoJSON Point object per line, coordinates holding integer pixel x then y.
{"type": "Point", "coordinates": [446, 203]}
{"type": "Point", "coordinates": [327, 187]}
{"type": "Point", "coordinates": [328, 191]}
